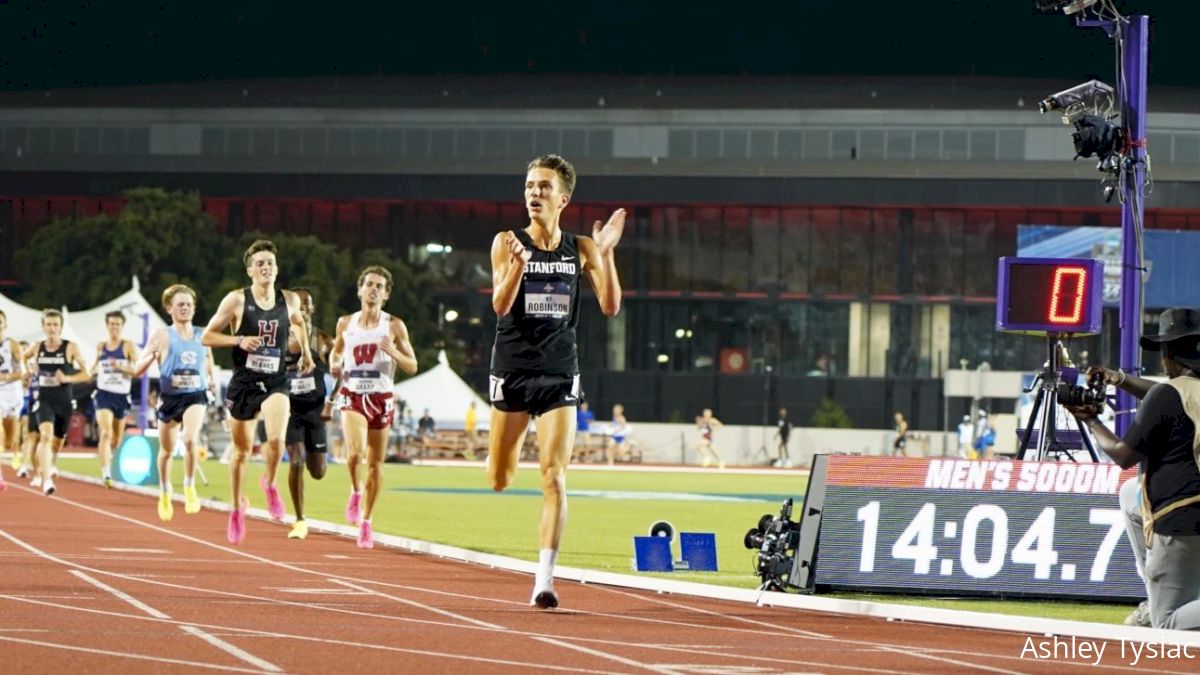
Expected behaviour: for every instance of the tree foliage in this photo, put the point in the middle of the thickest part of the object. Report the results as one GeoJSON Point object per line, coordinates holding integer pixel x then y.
{"type": "Point", "coordinates": [165, 238]}
{"type": "Point", "coordinates": [830, 415]}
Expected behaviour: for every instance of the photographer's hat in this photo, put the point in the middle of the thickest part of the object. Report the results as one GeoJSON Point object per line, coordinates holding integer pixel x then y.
{"type": "Point", "coordinates": [1174, 323]}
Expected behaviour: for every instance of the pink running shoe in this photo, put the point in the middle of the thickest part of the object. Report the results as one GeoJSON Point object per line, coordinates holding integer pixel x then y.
{"type": "Point", "coordinates": [366, 538]}
{"type": "Point", "coordinates": [3, 485]}
{"type": "Point", "coordinates": [274, 503]}
{"type": "Point", "coordinates": [237, 523]}
{"type": "Point", "coordinates": [354, 508]}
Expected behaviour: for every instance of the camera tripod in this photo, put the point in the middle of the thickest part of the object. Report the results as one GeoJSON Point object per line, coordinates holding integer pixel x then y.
{"type": "Point", "coordinates": [1046, 381]}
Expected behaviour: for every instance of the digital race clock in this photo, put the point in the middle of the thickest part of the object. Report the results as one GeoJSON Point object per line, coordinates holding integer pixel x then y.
{"type": "Point", "coordinates": [965, 527]}
{"type": "Point", "coordinates": [1049, 296]}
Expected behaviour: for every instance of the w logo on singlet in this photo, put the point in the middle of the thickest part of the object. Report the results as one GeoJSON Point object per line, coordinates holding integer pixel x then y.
{"type": "Point", "coordinates": [365, 353]}
{"type": "Point", "coordinates": [267, 330]}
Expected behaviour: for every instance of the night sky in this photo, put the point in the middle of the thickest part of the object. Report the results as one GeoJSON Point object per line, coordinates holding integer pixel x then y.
{"type": "Point", "coordinates": [88, 43]}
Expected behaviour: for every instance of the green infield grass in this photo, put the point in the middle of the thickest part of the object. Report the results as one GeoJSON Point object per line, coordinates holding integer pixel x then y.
{"type": "Point", "coordinates": [455, 506]}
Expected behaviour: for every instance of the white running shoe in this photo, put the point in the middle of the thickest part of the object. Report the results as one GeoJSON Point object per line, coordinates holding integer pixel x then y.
{"type": "Point", "coordinates": [48, 488]}
{"type": "Point", "coordinates": [36, 482]}
{"type": "Point", "coordinates": [54, 472]}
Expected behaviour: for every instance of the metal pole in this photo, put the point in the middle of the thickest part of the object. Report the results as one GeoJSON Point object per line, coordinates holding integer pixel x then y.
{"type": "Point", "coordinates": [1132, 36]}
{"type": "Point", "coordinates": [145, 386]}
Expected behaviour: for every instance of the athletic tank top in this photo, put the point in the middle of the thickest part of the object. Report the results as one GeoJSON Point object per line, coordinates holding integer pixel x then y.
{"type": "Point", "coordinates": [108, 378]}
{"type": "Point", "coordinates": [266, 362]}
{"type": "Point", "coordinates": [184, 369]}
{"type": "Point", "coordinates": [538, 334]}
{"type": "Point", "coordinates": [49, 361]}
{"type": "Point", "coordinates": [8, 364]}
{"type": "Point", "coordinates": [306, 391]}
{"type": "Point", "coordinates": [366, 368]}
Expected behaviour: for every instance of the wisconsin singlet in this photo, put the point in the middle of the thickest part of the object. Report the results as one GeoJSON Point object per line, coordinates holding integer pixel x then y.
{"type": "Point", "coordinates": [11, 391]}
{"type": "Point", "coordinates": [265, 364]}
{"type": "Point", "coordinates": [538, 334]}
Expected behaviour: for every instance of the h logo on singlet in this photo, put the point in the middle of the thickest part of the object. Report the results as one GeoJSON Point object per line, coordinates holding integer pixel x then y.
{"type": "Point", "coordinates": [267, 330]}
{"type": "Point", "coordinates": [365, 353]}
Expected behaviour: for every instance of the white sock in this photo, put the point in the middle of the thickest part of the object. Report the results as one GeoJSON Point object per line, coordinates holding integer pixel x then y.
{"type": "Point", "coordinates": [545, 574]}
{"type": "Point", "coordinates": [189, 482]}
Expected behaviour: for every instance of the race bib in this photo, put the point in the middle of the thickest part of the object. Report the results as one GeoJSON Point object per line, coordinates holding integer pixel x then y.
{"type": "Point", "coordinates": [264, 361]}
{"type": "Point", "coordinates": [47, 381]}
{"type": "Point", "coordinates": [365, 385]}
{"type": "Point", "coordinates": [302, 385]}
{"type": "Point", "coordinates": [184, 381]}
{"type": "Point", "coordinates": [111, 379]}
{"type": "Point", "coordinates": [547, 299]}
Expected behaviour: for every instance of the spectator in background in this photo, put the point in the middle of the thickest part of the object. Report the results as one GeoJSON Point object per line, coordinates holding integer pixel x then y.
{"type": "Point", "coordinates": [426, 426]}
{"type": "Point", "coordinates": [965, 431]}
{"type": "Point", "coordinates": [583, 424]}
{"type": "Point", "coordinates": [783, 430]}
{"type": "Point", "coordinates": [985, 436]}
{"type": "Point", "coordinates": [618, 443]}
{"type": "Point", "coordinates": [469, 425]}
{"type": "Point", "coordinates": [708, 425]}
{"type": "Point", "coordinates": [900, 442]}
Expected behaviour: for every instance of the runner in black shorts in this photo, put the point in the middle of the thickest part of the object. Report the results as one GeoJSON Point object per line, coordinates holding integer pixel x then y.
{"type": "Point", "coordinates": [185, 378]}
{"type": "Point", "coordinates": [306, 442]}
{"type": "Point", "coordinates": [535, 366]}
{"type": "Point", "coordinates": [262, 320]}
{"type": "Point", "coordinates": [114, 379]}
{"type": "Point", "coordinates": [59, 365]}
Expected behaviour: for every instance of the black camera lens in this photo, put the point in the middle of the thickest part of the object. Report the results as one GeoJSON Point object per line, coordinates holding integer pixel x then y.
{"type": "Point", "coordinates": [753, 539]}
{"type": "Point", "coordinates": [764, 523]}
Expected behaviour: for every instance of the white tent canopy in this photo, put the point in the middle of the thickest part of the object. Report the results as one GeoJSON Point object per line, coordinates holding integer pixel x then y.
{"type": "Point", "coordinates": [25, 323]}
{"type": "Point", "coordinates": [445, 394]}
{"type": "Point", "coordinates": [141, 320]}
{"type": "Point", "coordinates": [87, 327]}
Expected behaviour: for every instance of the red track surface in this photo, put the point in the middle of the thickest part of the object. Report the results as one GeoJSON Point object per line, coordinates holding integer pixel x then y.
{"type": "Point", "coordinates": [91, 581]}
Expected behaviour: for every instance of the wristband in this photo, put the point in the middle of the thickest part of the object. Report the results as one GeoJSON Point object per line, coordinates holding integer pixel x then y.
{"type": "Point", "coordinates": [1122, 378]}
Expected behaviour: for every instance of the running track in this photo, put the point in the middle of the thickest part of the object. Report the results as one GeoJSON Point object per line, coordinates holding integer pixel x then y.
{"type": "Point", "coordinates": [91, 581]}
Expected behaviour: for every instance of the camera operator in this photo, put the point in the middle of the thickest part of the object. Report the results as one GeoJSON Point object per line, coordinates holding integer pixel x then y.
{"type": "Point", "coordinates": [1163, 441]}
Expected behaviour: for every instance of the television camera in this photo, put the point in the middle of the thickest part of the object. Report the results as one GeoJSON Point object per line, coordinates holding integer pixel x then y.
{"type": "Point", "coordinates": [775, 539]}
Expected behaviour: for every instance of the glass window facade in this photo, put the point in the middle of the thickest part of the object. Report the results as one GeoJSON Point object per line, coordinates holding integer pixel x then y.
{"type": "Point", "coordinates": [775, 282]}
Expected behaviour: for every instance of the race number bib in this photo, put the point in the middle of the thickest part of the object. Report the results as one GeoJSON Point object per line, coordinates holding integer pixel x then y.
{"type": "Point", "coordinates": [265, 360]}
{"type": "Point", "coordinates": [111, 379]}
{"type": "Point", "coordinates": [365, 382]}
{"type": "Point", "coordinates": [547, 299]}
{"type": "Point", "coordinates": [47, 381]}
{"type": "Point", "coordinates": [302, 385]}
{"type": "Point", "coordinates": [185, 380]}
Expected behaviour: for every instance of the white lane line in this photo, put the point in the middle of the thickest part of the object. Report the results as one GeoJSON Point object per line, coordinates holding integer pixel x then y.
{"type": "Point", "coordinates": [611, 657]}
{"type": "Point", "coordinates": [224, 646]}
{"type": "Point", "coordinates": [699, 610]}
{"type": "Point", "coordinates": [328, 575]}
{"type": "Point", "coordinates": [296, 568]}
{"type": "Point", "coordinates": [421, 605]}
{"type": "Point", "coordinates": [125, 655]}
{"type": "Point", "coordinates": [337, 556]}
{"type": "Point", "coordinates": [233, 650]}
{"type": "Point", "coordinates": [24, 630]}
{"type": "Point", "coordinates": [954, 662]}
{"type": "Point", "coordinates": [316, 591]}
{"type": "Point", "coordinates": [250, 632]}
{"type": "Point", "coordinates": [111, 549]}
